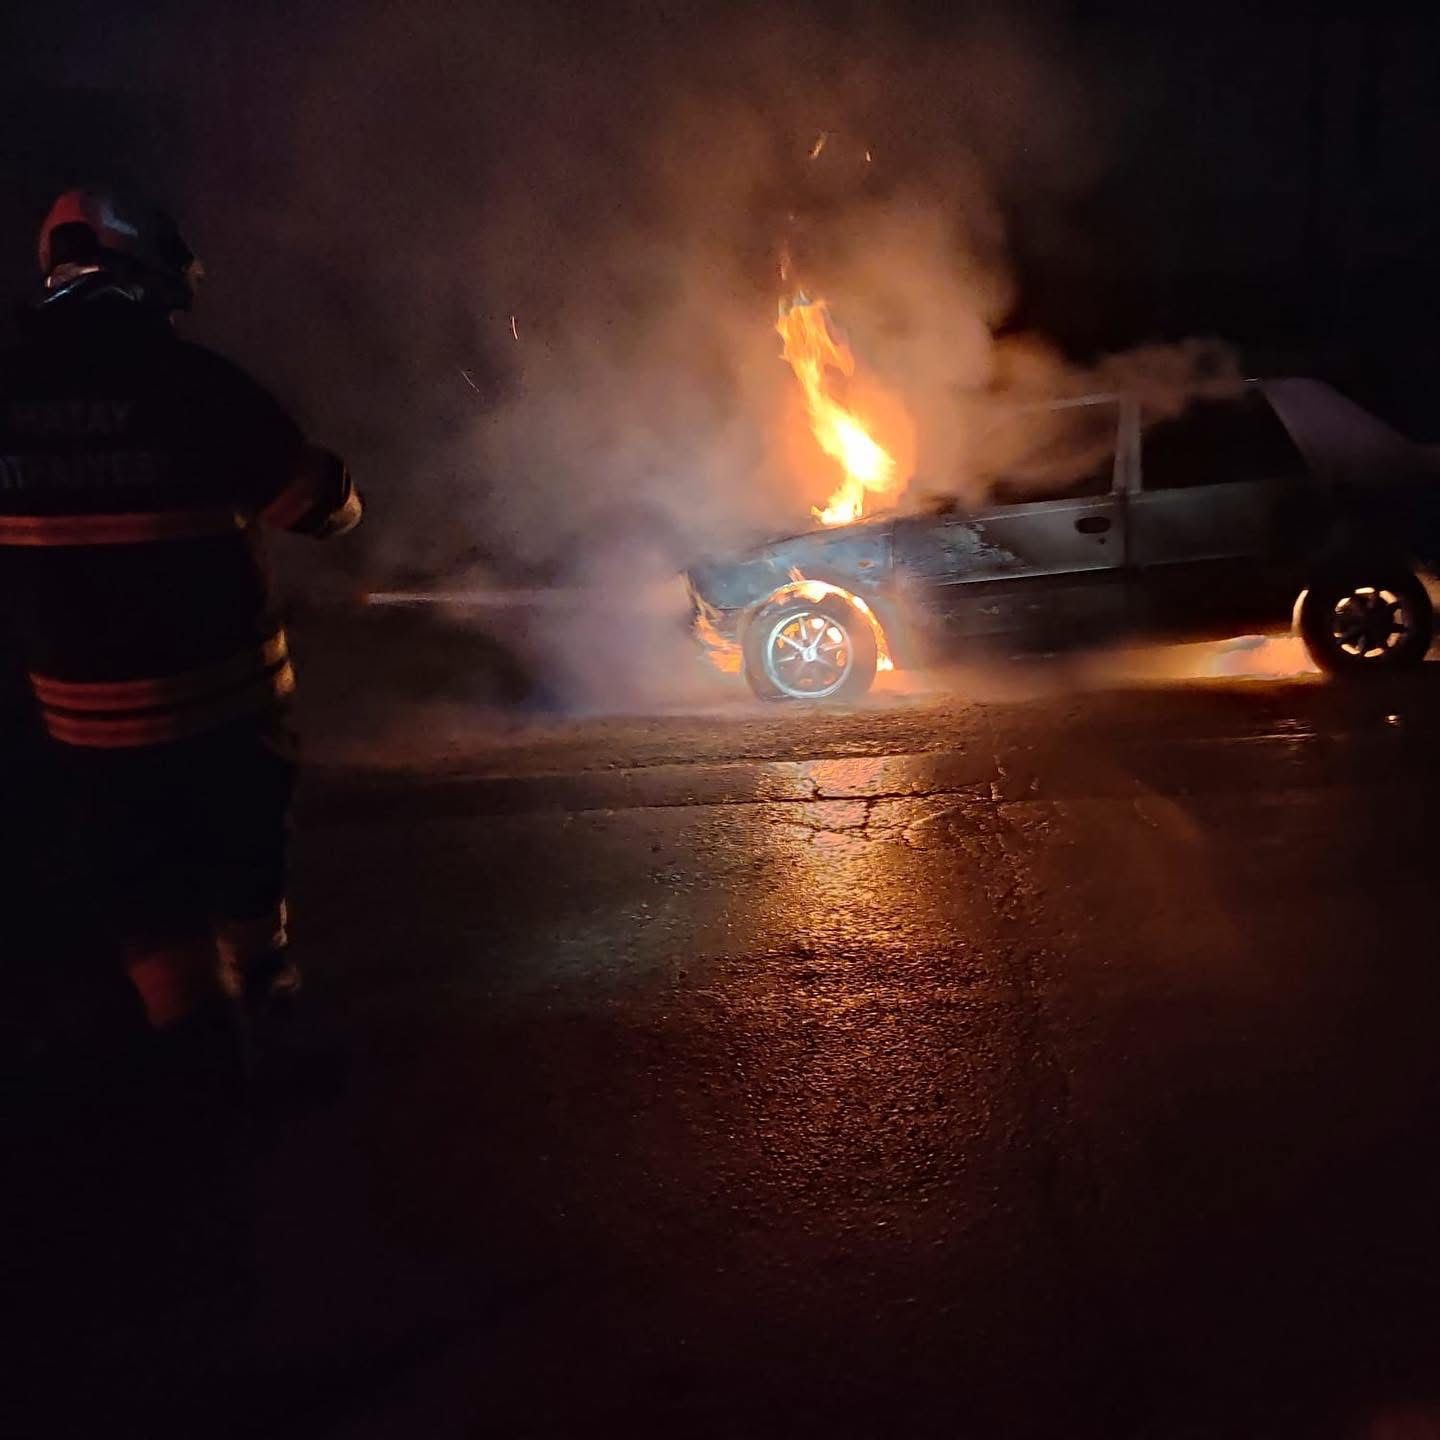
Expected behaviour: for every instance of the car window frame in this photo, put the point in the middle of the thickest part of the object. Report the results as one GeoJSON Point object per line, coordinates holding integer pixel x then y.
{"type": "Point", "coordinates": [1122, 476]}
{"type": "Point", "coordinates": [1250, 387]}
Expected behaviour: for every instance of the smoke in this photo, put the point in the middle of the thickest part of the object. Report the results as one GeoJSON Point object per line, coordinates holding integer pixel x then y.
{"type": "Point", "coordinates": [530, 262]}
{"type": "Point", "coordinates": [1012, 437]}
{"type": "Point", "coordinates": [522, 265]}
{"type": "Point", "coordinates": [555, 256]}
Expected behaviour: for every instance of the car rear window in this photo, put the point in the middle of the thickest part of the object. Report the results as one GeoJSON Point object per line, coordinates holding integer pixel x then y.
{"type": "Point", "coordinates": [1219, 442]}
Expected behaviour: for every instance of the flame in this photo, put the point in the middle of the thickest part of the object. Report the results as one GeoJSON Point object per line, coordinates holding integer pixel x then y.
{"type": "Point", "coordinates": [817, 357]}
{"type": "Point", "coordinates": [723, 653]}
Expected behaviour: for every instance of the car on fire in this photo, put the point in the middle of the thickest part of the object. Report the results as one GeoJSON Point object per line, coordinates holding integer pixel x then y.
{"type": "Point", "coordinates": [1281, 504]}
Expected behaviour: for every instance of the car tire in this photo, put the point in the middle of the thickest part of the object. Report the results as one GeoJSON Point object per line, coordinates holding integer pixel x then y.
{"type": "Point", "coordinates": [773, 633]}
{"type": "Point", "coordinates": [1360, 621]}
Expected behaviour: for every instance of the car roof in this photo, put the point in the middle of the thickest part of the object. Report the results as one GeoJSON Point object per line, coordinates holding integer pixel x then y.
{"type": "Point", "coordinates": [1339, 439]}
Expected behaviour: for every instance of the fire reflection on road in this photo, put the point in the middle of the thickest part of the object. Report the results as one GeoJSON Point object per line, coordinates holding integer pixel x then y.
{"type": "Point", "coordinates": [871, 1031]}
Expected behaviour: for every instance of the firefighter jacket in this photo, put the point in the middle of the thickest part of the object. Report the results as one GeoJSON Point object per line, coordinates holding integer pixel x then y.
{"type": "Point", "coordinates": [133, 470]}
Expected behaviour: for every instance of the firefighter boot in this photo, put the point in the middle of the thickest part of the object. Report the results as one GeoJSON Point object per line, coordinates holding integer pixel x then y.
{"type": "Point", "coordinates": [199, 1048]}
{"type": "Point", "coordinates": [254, 959]}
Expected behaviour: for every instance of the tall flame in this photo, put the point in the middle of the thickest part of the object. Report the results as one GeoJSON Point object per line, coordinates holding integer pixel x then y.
{"type": "Point", "coordinates": [818, 357]}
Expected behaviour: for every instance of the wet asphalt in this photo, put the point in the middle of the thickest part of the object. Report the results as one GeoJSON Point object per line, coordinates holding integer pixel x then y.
{"type": "Point", "coordinates": [1051, 1066]}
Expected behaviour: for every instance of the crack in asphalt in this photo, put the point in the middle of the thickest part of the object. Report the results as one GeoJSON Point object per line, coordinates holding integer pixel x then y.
{"type": "Point", "coordinates": [997, 772]}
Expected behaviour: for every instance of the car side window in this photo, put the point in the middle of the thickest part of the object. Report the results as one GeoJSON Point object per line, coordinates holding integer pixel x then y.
{"type": "Point", "coordinates": [1217, 442]}
{"type": "Point", "coordinates": [1053, 454]}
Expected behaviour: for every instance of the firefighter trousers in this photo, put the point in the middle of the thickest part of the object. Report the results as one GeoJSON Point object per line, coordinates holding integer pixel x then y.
{"type": "Point", "coordinates": [182, 848]}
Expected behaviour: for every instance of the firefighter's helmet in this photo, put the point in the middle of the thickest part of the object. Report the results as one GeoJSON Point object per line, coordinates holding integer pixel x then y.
{"type": "Point", "coordinates": [99, 230]}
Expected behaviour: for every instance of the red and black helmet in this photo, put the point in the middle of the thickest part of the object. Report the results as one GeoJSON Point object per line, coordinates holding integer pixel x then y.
{"type": "Point", "coordinates": [99, 229]}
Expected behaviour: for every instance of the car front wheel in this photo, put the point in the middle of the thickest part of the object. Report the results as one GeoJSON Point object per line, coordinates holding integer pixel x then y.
{"type": "Point", "coordinates": [810, 650]}
{"type": "Point", "coordinates": [1365, 623]}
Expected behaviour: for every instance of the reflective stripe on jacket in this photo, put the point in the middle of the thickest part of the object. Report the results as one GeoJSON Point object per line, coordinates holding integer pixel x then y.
{"type": "Point", "coordinates": [120, 714]}
{"type": "Point", "coordinates": [136, 471]}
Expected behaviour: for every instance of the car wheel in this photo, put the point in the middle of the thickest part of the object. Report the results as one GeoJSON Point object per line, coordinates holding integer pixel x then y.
{"type": "Point", "coordinates": [810, 650]}
{"type": "Point", "coordinates": [1365, 623]}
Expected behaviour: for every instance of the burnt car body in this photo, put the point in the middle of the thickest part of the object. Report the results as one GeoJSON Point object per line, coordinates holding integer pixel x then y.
{"type": "Point", "coordinates": [1280, 504]}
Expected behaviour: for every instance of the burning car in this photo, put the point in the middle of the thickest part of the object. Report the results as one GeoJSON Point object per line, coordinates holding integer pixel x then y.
{"type": "Point", "coordinates": [1280, 504]}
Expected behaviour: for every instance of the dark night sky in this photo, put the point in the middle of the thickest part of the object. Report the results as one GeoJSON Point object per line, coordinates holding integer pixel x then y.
{"type": "Point", "coordinates": [1257, 173]}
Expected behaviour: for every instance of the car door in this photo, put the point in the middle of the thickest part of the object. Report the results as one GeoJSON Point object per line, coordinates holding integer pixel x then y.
{"type": "Point", "coordinates": [1211, 484]}
{"type": "Point", "coordinates": [1041, 562]}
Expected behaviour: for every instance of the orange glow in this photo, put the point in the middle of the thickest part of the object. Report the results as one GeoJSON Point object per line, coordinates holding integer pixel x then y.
{"type": "Point", "coordinates": [816, 590]}
{"type": "Point", "coordinates": [1269, 657]}
{"type": "Point", "coordinates": [1247, 657]}
{"type": "Point", "coordinates": [823, 364]}
{"type": "Point", "coordinates": [724, 654]}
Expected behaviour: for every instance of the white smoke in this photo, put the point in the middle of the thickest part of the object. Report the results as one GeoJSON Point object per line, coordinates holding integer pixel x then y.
{"type": "Point", "coordinates": [522, 265]}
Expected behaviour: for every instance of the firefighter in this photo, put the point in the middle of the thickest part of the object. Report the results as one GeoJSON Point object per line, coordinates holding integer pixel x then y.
{"type": "Point", "coordinates": [136, 472]}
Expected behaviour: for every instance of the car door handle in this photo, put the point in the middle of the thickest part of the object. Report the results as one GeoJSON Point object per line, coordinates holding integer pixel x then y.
{"type": "Point", "coordinates": [1093, 524]}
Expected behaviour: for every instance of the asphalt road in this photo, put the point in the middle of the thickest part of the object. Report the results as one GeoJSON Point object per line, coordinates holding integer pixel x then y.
{"type": "Point", "coordinates": [1060, 1065]}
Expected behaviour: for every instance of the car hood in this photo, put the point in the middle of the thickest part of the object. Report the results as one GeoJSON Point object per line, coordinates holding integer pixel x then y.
{"type": "Point", "coordinates": [855, 557]}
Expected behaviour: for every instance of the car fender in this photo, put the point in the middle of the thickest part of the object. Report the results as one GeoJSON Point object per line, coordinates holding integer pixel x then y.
{"type": "Point", "coordinates": [858, 559]}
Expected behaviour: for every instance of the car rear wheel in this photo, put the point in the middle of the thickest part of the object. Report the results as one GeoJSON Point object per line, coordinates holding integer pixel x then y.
{"type": "Point", "coordinates": [810, 650]}
{"type": "Point", "coordinates": [1365, 623]}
